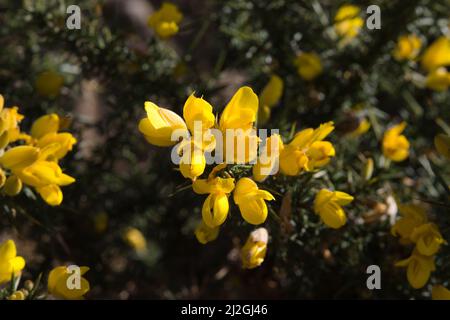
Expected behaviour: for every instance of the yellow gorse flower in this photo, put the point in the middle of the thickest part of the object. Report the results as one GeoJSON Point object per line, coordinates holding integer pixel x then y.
{"type": "Point", "coordinates": [58, 284]}
{"type": "Point", "coordinates": [413, 227]}
{"type": "Point", "coordinates": [437, 54]}
{"type": "Point", "coordinates": [442, 144]}
{"type": "Point", "coordinates": [135, 239]}
{"type": "Point", "coordinates": [36, 164]}
{"type": "Point", "coordinates": [49, 83]}
{"type": "Point", "coordinates": [347, 22]}
{"type": "Point", "coordinates": [438, 79]}
{"type": "Point", "coordinates": [412, 216]}
{"type": "Point", "coordinates": [269, 97]}
{"type": "Point", "coordinates": [215, 208]}
{"type": "Point", "coordinates": [255, 248]}
{"type": "Point", "coordinates": [10, 263]}
{"type": "Point", "coordinates": [268, 162]}
{"type": "Point", "coordinates": [9, 124]}
{"type": "Point", "coordinates": [408, 47]}
{"type": "Point", "coordinates": [427, 238]}
{"type": "Point", "coordinates": [165, 21]}
{"type": "Point", "coordinates": [205, 234]}
{"type": "Point", "coordinates": [396, 145]}
{"type": "Point", "coordinates": [439, 292]}
{"type": "Point", "coordinates": [419, 268]}
{"type": "Point", "coordinates": [307, 150]}
{"type": "Point", "coordinates": [239, 117]}
{"type": "Point", "coordinates": [251, 201]}
{"type": "Point", "coordinates": [328, 205]}
{"type": "Point", "coordinates": [308, 65]}
{"type": "Point", "coordinates": [159, 125]}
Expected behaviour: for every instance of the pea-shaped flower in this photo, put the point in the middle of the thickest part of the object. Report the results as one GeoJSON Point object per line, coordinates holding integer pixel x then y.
{"type": "Point", "coordinates": [215, 208]}
{"type": "Point", "coordinates": [408, 47]}
{"type": "Point", "coordinates": [165, 21]}
{"type": "Point", "coordinates": [308, 65]}
{"type": "Point", "coordinates": [10, 263]}
{"type": "Point", "coordinates": [412, 216]}
{"type": "Point", "coordinates": [205, 234]}
{"type": "Point", "coordinates": [68, 283]}
{"type": "Point", "coordinates": [251, 201]}
{"type": "Point", "coordinates": [418, 269]}
{"type": "Point", "coordinates": [427, 238]}
{"type": "Point", "coordinates": [328, 205]}
{"type": "Point", "coordinates": [255, 248]}
{"type": "Point", "coordinates": [395, 145]}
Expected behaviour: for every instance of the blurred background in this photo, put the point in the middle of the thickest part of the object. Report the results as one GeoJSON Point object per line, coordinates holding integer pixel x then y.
{"type": "Point", "coordinates": [99, 77]}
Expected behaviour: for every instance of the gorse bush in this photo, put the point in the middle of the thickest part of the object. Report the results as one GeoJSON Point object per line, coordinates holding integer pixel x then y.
{"type": "Point", "coordinates": [353, 172]}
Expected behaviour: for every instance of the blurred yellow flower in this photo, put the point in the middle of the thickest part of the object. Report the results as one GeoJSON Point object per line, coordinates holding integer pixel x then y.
{"type": "Point", "coordinates": [408, 47]}
{"type": "Point", "coordinates": [216, 206]}
{"type": "Point", "coordinates": [327, 204]}
{"type": "Point", "coordinates": [438, 79]}
{"type": "Point", "coordinates": [205, 234]}
{"type": "Point", "coordinates": [60, 286]}
{"type": "Point", "coordinates": [442, 144]}
{"type": "Point", "coordinates": [412, 216]}
{"type": "Point", "coordinates": [395, 145]}
{"type": "Point", "coordinates": [437, 54]}
{"type": "Point", "coordinates": [269, 97]}
{"type": "Point", "coordinates": [363, 127]}
{"type": "Point", "coordinates": [251, 201]}
{"type": "Point", "coordinates": [427, 238]}
{"type": "Point", "coordinates": [165, 21]}
{"type": "Point", "coordinates": [439, 292]}
{"type": "Point", "coordinates": [347, 22]}
{"type": "Point", "coordinates": [135, 239]}
{"type": "Point", "coordinates": [17, 295]}
{"type": "Point", "coordinates": [308, 65]}
{"type": "Point", "coordinates": [49, 83]}
{"type": "Point", "coordinates": [307, 150]}
{"type": "Point", "coordinates": [419, 268]}
{"type": "Point", "coordinates": [268, 161]}
{"type": "Point", "coordinates": [10, 263]}
{"type": "Point", "coordinates": [255, 248]}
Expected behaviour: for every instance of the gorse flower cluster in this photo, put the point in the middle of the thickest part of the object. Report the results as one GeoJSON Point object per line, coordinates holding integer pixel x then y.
{"type": "Point", "coordinates": [306, 152]}
{"type": "Point", "coordinates": [33, 160]}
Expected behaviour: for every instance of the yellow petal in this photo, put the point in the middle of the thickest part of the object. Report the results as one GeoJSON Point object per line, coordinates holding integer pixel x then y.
{"type": "Point", "coordinates": [200, 111]}
{"type": "Point", "coordinates": [215, 210]}
{"type": "Point", "coordinates": [51, 194]}
{"type": "Point", "coordinates": [19, 157]}
{"type": "Point", "coordinates": [440, 292]}
{"type": "Point", "coordinates": [160, 124]}
{"type": "Point", "coordinates": [45, 124]}
{"type": "Point", "coordinates": [241, 111]}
